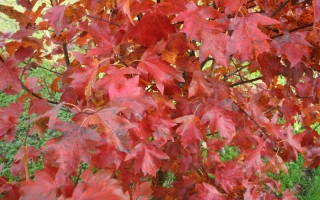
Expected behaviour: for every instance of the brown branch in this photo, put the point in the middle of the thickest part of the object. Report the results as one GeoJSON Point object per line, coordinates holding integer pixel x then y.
{"type": "Point", "coordinates": [246, 81]}
{"type": "Point", "coordinates": [1, 59]}
{"type": "Point", "coordinates": [25, 88]}
{"type": "Point", "coordinates": [233, 73]}
{"type": "Point", "coordinates": [292, 30]}
{"type": "Point", "coordinates": [49, 70]}
{"type": "Point", "coordinates": [93, 17]}
{"type": "Point", "coordinates": [279, 8]}
{"type": "Point", "coordinates": [65, 53]}
{"type": "Point", "coordinates": [254, 121]}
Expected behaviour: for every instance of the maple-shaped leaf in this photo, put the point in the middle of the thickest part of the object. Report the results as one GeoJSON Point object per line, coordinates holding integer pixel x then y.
{"type": "Point", "coordinates": [72, 147]}
{"type": "Point", "coordinates": [214, 44]}
{"type": "Point", "coordinates": [293, 142]}
{"type": "Point", "coordinates": [129, 89]}
{"type": "Point", "coordinates": [206, 191]}
{"type": "Point", "coordinates": [229, 176]}
{"type": "Point", "coordinates": [48, 118]}
{"type": "Point", "coordinates": [221, 121]}
{"type": "Point", "coordinates": [147, 158]}
{"type": "Point", "coordinates": [247, 39]}
{"type": "Point", "coordinates": [160, 70]}
{"type": "Point", "coordinates": [116, 126]}
{"type": "Point", "coordinates": [161, 125]}
{"type": "Point", "coordinates": [124, 6]}
{"type": "Point", "coordinates": [17, 168]}
{"type": "Point", "coordinates": [185, 187]}
{"type": "Point", "coordinates": [195, 20]}
{"type": "Point", "coordinates": [84, 78]}
{"type": "Point", "coordinates": [8, 120]}
{"type": "Point", "coordinates": [190, 129]}
{"type": "Point", "coordinates": [98, 186]}
{"type": "Point", "coordinates": [221, 89]}
{"type": "Point", "coordinates": [107, 156]}
{"type": "Point", "coordinates": [142, 191]}
{"type": "Point", "coordinates": [56, 18]}
{"type": "Point", "coordinates": [103, 37]}
{"type": "Point", "coordinates": [199, 85]}
{"type": "Point", "coordinates": [153, 27]}
{"type": "Point", "coordinates": [294, 46]}
{"type": "Point", "coordinates": [114, 79]}
{"type": "Point", "coordinates": [270, 66]}
{"type": "Point", "coordinates": [232, 6]}
{"type": "Point", "coordinates": [44, 187]}
{"type": "Point", "coordinates": [253, 161]}
{"type": "Point", "coordinates": [9, 76]}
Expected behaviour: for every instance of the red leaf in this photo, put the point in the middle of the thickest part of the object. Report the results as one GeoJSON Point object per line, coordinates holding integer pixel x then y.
{"type": "Point", "coordinates": [161, 125]}
{"type": "Point", "coordinates": [229, 176]}
{"type": "Point", "coordinates": [206, 191]}
{"type": "Point", "coordinates": [214, 44]}
{"type": "Point", "coordinates": [84, 78]}
{"type": "Point", "coordinates": [221, 121]}
{"type": "Point", "coordinates": [294, 46]}
{"type": "Point", "coordinates": [9, 76]}
{"type": "Point", "coordinates": [153, 27]}
{"type": "Point", "coordinates": [146, 158]}
{"type": "Point", "coordinates": [72, 147]}
{"type": "Point", "coordinates": [190, 129]}
{"type": "Point", "coordinates": [142, 191]}
{"type": "Point", "coordinates": [199, 85]}
{"type": "Point", "coordinates": [56, 18]}
{"type": "Point", "coordinates": [18, 164]}
{"type": "Point", "coordinates": [115, 79]}
{"type": "Point", "coordinates": [51, 114]}
{"type": "Point", "coordinates": [116, 126]}
{"type": "Point", "coordinates": [8, 120]}
{"type": "Point", "coordinates": [195, 20]}
{"type": "Point", "coordinates": [98, 186]}
{"type": "Point", "coordinates": [232, 5]}
{"type": "Point", "coordinates": [161, 71]}
{"type": "Point", "coordinates": [44, 187]}
{"type": "Point", "coordinates": [247, 39]}
{"type": "Point", "coordinates": [292, 142]}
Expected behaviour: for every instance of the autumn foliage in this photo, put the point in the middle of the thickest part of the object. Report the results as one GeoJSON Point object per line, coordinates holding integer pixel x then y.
{"type": "Point", "coordinates": [162, 86]}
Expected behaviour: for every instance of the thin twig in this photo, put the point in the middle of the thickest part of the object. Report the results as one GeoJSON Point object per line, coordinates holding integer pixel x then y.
{"type": "Point", "coordinates": [49, 91]}
{"type": "Point", "coordinates": [254, 121]}
{"type": "Point", "coordinates": [93, 17]}
{"type": "Point", "coordinates": [279, 8]}
{"type": "Point", "coordinates": [233, 73]}
{"type": "Point", "coordinates": [246, 81]}
{"type": "Point", "coordinates": [49, 70]}
{"type": "Point", "coordinates": [34, 94]}
{"type": "Point", "coordinates": [292, 30]}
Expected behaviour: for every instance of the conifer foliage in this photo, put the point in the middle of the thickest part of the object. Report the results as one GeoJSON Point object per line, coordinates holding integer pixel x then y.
{"type": "Point", "coordinates": [158, 88]}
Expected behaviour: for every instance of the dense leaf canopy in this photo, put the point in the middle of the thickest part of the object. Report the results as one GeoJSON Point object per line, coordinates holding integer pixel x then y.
{"type": "Point", "coordinates": [161, 87]}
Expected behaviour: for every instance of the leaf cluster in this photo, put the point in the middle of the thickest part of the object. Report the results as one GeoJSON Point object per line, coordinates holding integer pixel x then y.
{"type": "Point", "coordinates": [165, 99]}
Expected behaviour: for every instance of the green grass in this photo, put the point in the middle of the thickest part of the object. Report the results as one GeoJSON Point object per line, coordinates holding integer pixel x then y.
{"type": "Point", "coordinates": [9, 150]}
{"type": "Point", "coordinates": [304, 182]}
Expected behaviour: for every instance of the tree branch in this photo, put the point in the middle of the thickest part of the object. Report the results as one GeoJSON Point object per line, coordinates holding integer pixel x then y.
{"type": "Point", "coordinates": [279, 8]}
{"type": "Point", "coordinates": [246, 81]}
{"type": "Point", "coordinates": [65, 53]}
{"type": "Point", "coordinates": [93, 17]}
{"type": "Point", "coordinates": [254, 121]}
{"type": "Point", "coordinates": [292, 30]}
{"type": "Point", "coordinates": [49, 70]}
